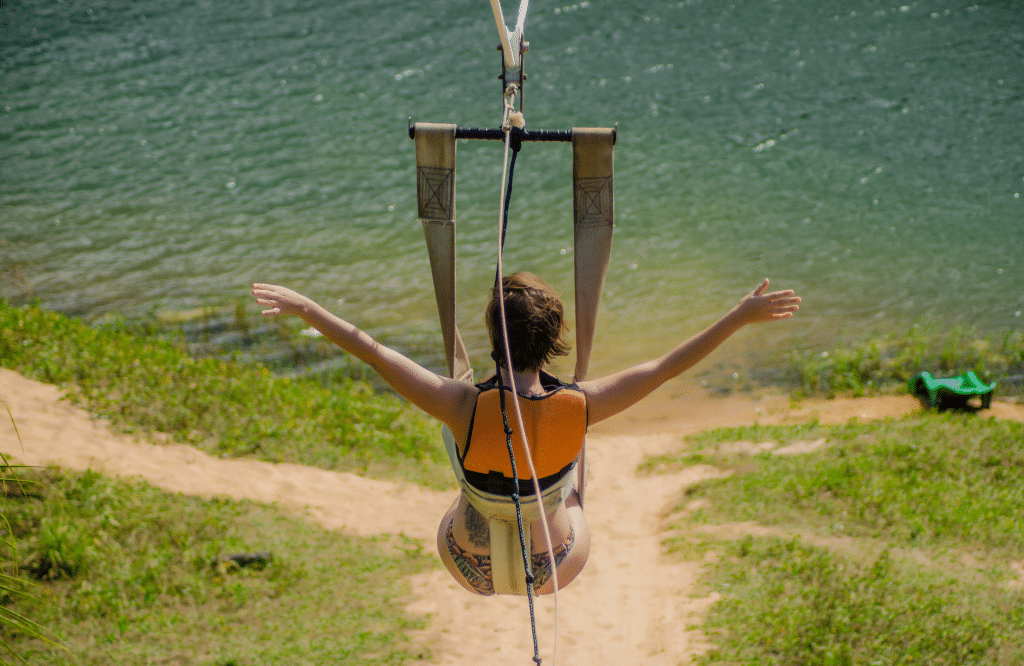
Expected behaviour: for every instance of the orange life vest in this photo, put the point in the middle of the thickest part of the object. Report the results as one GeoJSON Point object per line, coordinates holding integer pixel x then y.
{"type": "Point", "coordinates": [556, 424]}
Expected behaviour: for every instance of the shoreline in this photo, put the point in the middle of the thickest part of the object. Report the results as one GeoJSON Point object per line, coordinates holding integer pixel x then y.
{"type": "Point", "coordinates": [744, 365]}
{"type": "Point", "coordinates": [683, 408]}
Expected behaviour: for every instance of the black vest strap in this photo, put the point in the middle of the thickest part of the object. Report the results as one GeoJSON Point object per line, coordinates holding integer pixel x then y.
{"type": "Point", "coordinates": [497, 483]}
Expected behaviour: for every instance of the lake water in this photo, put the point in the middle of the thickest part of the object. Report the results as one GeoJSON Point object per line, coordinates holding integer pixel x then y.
{"type": "Point", "coordinates": [160, 156]}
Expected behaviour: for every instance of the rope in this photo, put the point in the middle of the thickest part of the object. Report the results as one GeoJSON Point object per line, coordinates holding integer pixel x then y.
{"type": "Point", "coordinates": [512, 118]}
{"type": "Point", "coordinates": [519, 510]}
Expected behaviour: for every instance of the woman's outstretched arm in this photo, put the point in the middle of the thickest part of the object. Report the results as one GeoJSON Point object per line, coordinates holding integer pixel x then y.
{"type": "Point", "coordinates": [610, 395]}
{"type": "Point", "coordinates": [448, 400]}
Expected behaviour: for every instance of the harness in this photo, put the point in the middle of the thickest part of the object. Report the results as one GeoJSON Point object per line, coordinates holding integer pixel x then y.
{"type": "Point", "coordinates": [556, 426]}
{"type": "Point", "coordinates": [593, 150]}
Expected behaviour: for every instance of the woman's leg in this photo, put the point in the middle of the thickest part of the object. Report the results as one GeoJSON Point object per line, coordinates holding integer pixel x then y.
{"type": "Point", "coordinates": [571, 552]}
{"type": "Point", "coordinates": [471, 569]}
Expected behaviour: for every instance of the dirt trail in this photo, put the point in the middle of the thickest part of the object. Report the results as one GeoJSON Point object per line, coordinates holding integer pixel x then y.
{"type": "Point", "coordinates": [629, 606]}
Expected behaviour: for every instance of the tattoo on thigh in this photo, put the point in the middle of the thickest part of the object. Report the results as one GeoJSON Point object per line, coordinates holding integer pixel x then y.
{"type": "Point", "coordinates": [475, 569]}
{"type": "Point", "coordinates": [541, 563]}
{"type": "Point", "coordinates": [477, 527]}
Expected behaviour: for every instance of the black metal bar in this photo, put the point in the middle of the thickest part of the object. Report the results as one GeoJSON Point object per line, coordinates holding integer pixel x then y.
{"type": "Point", "coordinates": [499, 135]}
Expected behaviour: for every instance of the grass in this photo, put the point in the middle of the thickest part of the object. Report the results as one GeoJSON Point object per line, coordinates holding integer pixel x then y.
{"type": "Point", "coordinates": [14, 589]}
{"type": "Point", "coordinates": [143, 382]}
{"type": "Point", "coordinates": [787, 602]}
{"type": "Point", "coordinates": [934, 479]}
{"type": "Point", "coordinates": [129, 574]}
{"type": "Point", "coordinates": [884, 365]}
{"type": "Point", "coordinates": [890, 544]}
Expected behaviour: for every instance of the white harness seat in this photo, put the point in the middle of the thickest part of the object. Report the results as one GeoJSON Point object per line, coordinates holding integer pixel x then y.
{"type": "Point", "coordinates": [507, 571]}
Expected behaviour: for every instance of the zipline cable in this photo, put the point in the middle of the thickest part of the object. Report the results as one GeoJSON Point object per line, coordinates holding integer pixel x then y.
{"type": "Point", "coordinates": [508, 198]}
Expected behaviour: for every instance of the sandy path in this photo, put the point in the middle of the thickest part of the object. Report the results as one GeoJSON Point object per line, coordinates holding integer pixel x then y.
{"type": "Point", "coordinates": [53, 430]}
{"type": "Point", "coordinates": [629, 606]}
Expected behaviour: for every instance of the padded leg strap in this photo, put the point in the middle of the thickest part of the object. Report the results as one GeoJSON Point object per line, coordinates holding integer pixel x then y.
{"type": "Point", "coordinates": [507, 570]}
{"type": "Point", "coordinates": [594, 217]}
{"type": "Point", "coordinates": [435, 189]}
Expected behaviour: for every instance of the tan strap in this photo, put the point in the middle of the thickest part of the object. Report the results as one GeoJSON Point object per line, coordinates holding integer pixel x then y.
{"type": "Point", "coordinates": [435, 191]}
{"type": "Point", "coordinates": [593, 151]}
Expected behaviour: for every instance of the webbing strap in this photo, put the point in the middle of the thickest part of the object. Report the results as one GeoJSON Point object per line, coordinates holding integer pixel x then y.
{"type": "Point", "coordinates": [593, 151]}
{"type": "Point", "coordinates": [435, 190]}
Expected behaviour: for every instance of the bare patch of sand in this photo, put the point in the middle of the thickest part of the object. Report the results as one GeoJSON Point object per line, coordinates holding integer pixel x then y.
{"type": "Point", "coordinates": [1018, 571]}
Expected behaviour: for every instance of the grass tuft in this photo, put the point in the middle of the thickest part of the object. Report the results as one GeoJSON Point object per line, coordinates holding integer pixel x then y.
{"type": "Point", "coordinates": [785, 602]}
{"type": "Point", "coordinates": [935, 478]}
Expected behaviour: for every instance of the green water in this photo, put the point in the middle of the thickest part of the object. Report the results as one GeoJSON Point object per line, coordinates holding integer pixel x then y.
{"type": "Point", "coordinates": [161, 156]}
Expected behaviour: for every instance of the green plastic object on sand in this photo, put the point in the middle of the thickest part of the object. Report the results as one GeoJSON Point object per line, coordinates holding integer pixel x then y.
{"type": "Point", "coordinates": [952, 392]}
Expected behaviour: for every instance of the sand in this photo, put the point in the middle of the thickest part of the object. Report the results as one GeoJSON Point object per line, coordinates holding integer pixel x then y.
{"type": "Point", "coordinates": [630, 605]}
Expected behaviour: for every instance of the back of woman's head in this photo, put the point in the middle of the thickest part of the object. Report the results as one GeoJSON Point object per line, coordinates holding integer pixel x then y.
{"type": "Point", "coordinates": [536, 326]}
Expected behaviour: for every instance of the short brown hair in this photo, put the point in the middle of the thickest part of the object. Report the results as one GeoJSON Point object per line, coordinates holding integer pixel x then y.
{"type": "Point", "coordinates": [536, 325]}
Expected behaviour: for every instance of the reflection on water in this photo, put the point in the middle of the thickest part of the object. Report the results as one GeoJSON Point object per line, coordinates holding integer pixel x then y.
{"type": "Point", "coordinates": [865, 154]}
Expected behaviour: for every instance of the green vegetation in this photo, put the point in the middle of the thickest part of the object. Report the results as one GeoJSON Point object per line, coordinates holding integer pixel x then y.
{"type": "Point", "coordinates": [143, 382]}
{"type": "Point", "coordinates": [128, 574]}
{"type": "Point", "coordinates": [906, 531]}
{"type": "Point", "coordinates": [934, 479]}
{"type": "Point", "coordinates": [788, 603]}
{"type": "Point", "coordinates": [14, 588]}
{"type": "Point", "coordinates": [885, 365]}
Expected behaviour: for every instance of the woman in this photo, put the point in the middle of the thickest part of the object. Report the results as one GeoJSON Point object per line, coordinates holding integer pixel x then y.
{"type": "Point", "coordinates": [555, 414]}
